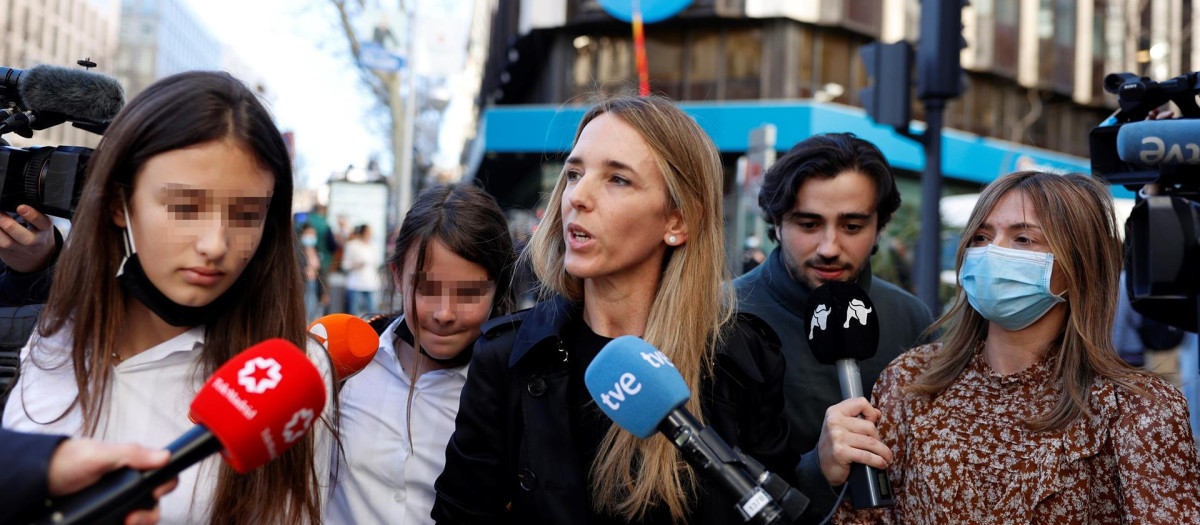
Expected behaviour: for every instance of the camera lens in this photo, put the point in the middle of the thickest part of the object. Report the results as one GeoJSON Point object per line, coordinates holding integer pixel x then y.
{"type": "Point", "coordinates": [48, 178]}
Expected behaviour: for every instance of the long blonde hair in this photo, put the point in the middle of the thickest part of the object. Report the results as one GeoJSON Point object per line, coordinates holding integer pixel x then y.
{"type": "Point", "coordinates": [690, 308]}
{"type": "Point", "coordinates": [1077, 219]}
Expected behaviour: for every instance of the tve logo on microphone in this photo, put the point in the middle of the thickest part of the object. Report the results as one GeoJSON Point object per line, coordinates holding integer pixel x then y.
{"type": "Point", "coordinates": [626, 384]}
{"type": "Point", "coordinates": [635, 384]}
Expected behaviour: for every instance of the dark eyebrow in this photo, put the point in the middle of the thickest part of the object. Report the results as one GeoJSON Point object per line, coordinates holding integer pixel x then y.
{"type": "Point", "coordinates": [256, 200]}
{"type": "Point", "coordinates": [1013, 227]}
{"type": "Point", "coordinates": [179, 190]}
{"type": "Point", "coordinates": [852, 216]}
{"type": "Point", "coordinates": [610, 163]}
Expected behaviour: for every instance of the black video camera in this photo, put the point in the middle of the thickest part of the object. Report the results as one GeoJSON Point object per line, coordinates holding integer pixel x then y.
{"type": "Point", "coordinates": [50, 178]}
{"type": "Point", "coordinates": [1160, 160]}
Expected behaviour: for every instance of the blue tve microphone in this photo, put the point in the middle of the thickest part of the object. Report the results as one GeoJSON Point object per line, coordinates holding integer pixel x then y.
{"type": "Point", "coordinates": [640, 390]}
{"type": "Point", "coordinates": [1160, 142]}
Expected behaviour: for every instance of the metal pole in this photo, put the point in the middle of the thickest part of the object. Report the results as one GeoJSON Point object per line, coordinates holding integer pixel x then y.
{"type": "Point", "coordinates": [405, 158]}
{"type": "Point", "coordinates": [930, 242]}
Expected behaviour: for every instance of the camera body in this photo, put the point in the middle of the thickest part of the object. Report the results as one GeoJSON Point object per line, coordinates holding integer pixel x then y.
{"type": "Point", "coordinates": [50, 178]}
{"type": "Point", "coordinates": [1160, 160]}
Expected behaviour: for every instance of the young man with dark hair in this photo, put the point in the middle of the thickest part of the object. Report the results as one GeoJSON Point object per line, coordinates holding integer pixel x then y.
{"type": "Point", "coordinates": [827, 200]}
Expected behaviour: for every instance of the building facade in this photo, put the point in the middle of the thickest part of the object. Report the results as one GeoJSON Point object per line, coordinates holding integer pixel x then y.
{"type": "Point", "coordinates": [1033, 67]}
{"type": "Point", "coordinates": [159, 38]}
{"type": "Point", "coordinates": [59, 32]}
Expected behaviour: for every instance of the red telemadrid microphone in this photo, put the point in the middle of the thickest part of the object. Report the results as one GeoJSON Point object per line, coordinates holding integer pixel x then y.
{"type": "Point", "coordinates": [255, 407]}
{"type": "Point", "coordinates": [350, 341]}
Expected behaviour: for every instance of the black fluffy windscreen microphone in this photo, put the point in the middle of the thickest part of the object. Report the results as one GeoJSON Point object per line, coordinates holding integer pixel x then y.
{"type": "Point", "coordinates": [842, 323]}
{"type": "Point", "coordinates": [76, 94]}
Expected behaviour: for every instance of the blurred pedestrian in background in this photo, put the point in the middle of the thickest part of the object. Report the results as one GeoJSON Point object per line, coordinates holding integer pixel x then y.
{"type": "Point", "coordinates": [361, 264]}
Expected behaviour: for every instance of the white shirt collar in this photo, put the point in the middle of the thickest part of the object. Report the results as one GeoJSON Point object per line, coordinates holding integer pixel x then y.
{"type": "Point", "coordinates": [387, 350]}
{"type": "Point", "coordinates": [189, 341]}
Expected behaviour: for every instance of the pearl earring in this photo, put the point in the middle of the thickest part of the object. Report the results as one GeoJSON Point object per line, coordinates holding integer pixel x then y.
{"type": "Point", "coordinates": [671, 240]}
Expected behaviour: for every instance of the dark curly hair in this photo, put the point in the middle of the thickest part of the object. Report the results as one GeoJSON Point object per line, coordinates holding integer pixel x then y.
{"type": "Point", "coordinates": [826, 156]}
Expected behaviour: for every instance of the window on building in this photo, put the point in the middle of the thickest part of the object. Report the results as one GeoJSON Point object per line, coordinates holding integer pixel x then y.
{"type": "Point", "coordinates": [1099, 49]}
{"type": "Point", "coordinates": [1188, 33]}
{"type": "Point", "coordinates": [582, 70]}
{"type": "Point", "coordinates": [743, 64]}
{"type": "Point", "coordinates": [664, 60]}
{"type": "Point", "coordinates": [614, 62]}
{"type": "Point", "coordinates": [704, 64]}
{"type": "Point", "coordinates": [835, 56]}
{"type": "Point", "coordinates": [805, 56]}
{"type": "Point", "coordinates": [1064, 45]}
{"type": "Point", "coordinates": [864, 15]}
{"type": "Point", "coordinates": [1007, 36]}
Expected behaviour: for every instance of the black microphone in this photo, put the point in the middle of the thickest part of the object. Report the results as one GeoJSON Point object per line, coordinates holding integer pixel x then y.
{"type": "Point", "coordinates": [55, 94]}
{"type": "Point", "coordinates": [842, 329]}
{"type": "Point", "coordinates": [639, 389]}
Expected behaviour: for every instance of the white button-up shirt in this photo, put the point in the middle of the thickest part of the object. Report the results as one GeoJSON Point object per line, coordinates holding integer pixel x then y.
{"type": "Point", "coordinates": [384, 477]}
{"type": "Point", "coordinates": [148, 402]}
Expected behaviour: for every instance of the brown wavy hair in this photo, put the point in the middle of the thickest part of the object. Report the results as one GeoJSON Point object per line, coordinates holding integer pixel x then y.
{"type": "Point", "coordinates": [1078, 221]}
{"type": "Point", "coordinates": [266, 301]}
{"type": "Point", "coordinates": [691, 307]}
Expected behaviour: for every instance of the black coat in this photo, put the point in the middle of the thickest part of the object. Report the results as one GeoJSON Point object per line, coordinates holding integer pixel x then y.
{"type": "Point", "coordinates": [23, 482]}
{"type": "Point", "coordinates": [511, 458]}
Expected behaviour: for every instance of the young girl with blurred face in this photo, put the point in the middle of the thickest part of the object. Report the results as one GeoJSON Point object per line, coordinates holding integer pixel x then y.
{"type": "Point", "coordinates": [452, 264]}
{"type": "Point", "coordinates": [631, 244]}
{"type": "Point", "coordinates": [182, 254]}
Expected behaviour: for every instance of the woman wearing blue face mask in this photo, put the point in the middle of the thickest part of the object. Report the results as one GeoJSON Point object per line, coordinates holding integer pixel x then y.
{"type": "Point", "coordinates": [1022, 412]}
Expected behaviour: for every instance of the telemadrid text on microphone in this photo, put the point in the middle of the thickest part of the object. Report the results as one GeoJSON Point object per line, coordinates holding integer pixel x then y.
{"type": "Point", "coordinates": [642, 392]}
{"type": "Point", "coordinates": [254, 408]}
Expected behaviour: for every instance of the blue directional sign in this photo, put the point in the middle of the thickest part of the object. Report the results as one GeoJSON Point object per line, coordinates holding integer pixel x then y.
{"type": "Point", "coordinates": [652, 10]}
{"type": "Point", "coordinates": [374, 56]}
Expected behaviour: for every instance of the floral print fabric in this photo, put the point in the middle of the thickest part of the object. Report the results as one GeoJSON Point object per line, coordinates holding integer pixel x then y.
{"type": "Point", "coordinates": [966, 457]}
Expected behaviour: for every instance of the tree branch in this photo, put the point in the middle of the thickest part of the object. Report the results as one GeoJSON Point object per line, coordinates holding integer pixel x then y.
{"type": "Point", "coordinates": [377, 81]}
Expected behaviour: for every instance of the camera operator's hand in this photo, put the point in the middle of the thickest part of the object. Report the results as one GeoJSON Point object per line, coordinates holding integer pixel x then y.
{"type": "Point", "coordinates": [1165, 114]}
{"type": "Point", "coordinates": [25, 249]}
{"type": "Point", "coordinates": [846, 439]}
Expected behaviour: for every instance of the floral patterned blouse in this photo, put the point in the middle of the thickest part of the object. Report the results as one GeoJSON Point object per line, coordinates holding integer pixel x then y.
{"type": "Point", "coordinates": [965, 457]}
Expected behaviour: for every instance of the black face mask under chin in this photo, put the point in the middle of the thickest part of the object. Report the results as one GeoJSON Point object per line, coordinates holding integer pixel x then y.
{"type": "Point", "coordinates": [133, 279]}
{"type": "Point", "coordinates": [462, 358]}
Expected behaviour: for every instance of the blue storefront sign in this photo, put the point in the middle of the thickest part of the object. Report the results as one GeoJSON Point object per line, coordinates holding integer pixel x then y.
{"type": "Point", "coordinates": [967, 157]}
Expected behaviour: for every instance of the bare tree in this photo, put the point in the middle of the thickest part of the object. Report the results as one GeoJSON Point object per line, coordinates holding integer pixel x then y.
{"type": "Point", "coordinates": [386, 88]}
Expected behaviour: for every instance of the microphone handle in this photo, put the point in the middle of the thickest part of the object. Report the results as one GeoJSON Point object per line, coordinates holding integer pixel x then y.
{"type": "Point", "coordinates": [706, 451]}
{"type": "Point", "coordinates": [849, 378]}
{"type": "Point", "coordinates": [869, 486]}
{"type": "Point", "coordinates": [122, 491]}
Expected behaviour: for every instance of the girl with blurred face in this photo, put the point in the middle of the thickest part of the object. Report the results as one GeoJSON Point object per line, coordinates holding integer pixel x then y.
{"type": "Point", "coordinates": [452, 264]}
{"type": "Point", "coordinates": [182, 254]}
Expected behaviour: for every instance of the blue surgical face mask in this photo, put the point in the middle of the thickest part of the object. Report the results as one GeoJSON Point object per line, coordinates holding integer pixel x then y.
{"type": "Point", "coordinates": [1008, 287]}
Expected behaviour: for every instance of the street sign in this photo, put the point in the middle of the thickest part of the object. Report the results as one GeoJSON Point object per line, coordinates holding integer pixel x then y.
{"type": "Point", "coordinates": [374, 56]}
{"type": "Point", "coordinates": [652, 10]}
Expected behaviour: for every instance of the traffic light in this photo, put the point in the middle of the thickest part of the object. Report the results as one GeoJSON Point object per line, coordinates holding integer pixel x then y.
{"type": "Point", "coordinates": [939, 70]}
{"type": "Point", "coordinates": [889, 66]}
